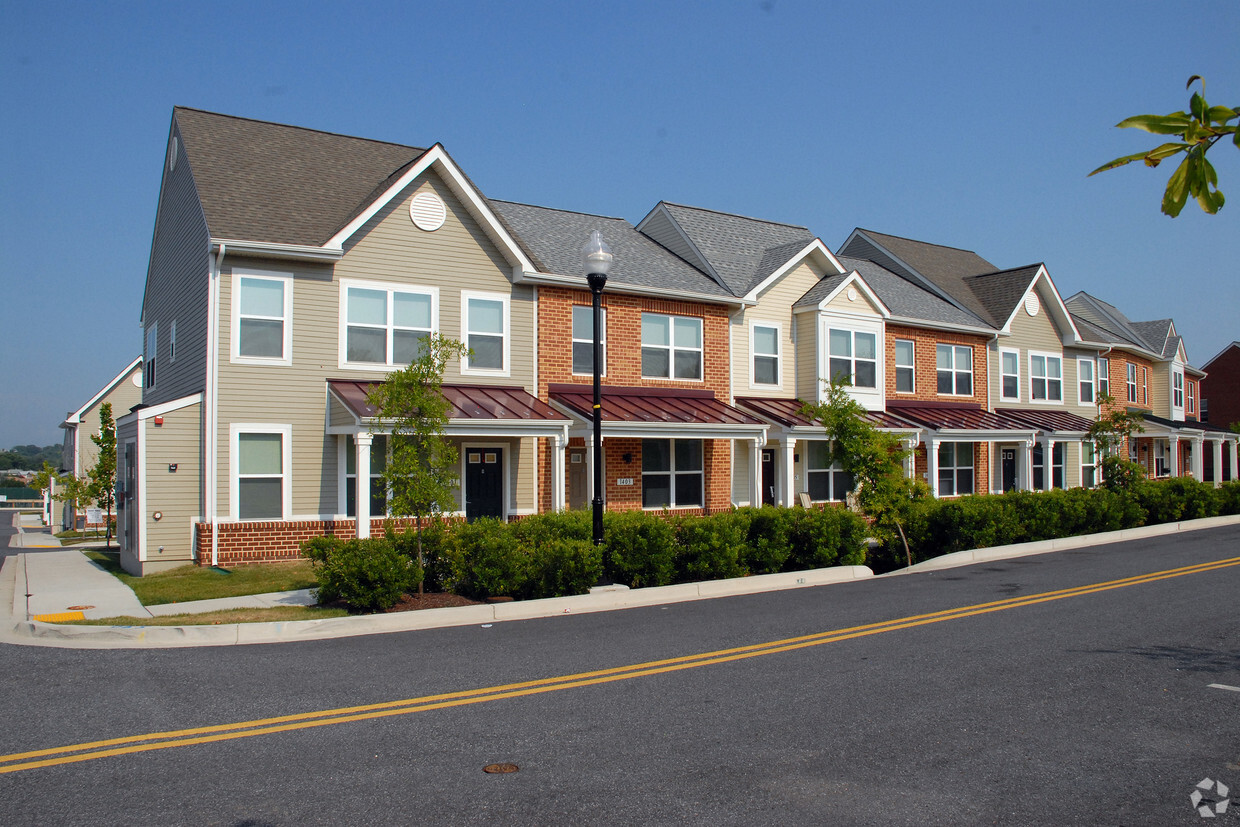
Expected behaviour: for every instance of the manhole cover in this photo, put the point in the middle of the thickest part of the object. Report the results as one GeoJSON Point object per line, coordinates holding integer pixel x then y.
{"type": "Point", "coordinates": [79, 608]}
{"type": "Point", "coordinates": [500, 768]}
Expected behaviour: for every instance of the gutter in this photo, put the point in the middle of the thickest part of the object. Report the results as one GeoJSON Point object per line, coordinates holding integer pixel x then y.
{"type": "Point", "coordinates": [211, 405]}
{"type": "Point", "coordinates": [266, 249]}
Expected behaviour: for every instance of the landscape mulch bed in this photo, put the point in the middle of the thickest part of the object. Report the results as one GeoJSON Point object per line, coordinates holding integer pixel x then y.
{"type": "Point", "coordinates": [412, 602]}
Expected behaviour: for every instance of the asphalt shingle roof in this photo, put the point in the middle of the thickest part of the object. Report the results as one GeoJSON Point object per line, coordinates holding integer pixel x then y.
{"type": "Point", "coordinates": [553, 239]}
{"type": "Point", "coordinates": [742, 251]}
{"type": "Point", "coordinates": [902, 297]}
{"type": "Point", "coordinates": [261, 181]}
{"type": "Point", "coordinates": [944, 267]}
{"type": "Point", "coordinates": [1001, 291]}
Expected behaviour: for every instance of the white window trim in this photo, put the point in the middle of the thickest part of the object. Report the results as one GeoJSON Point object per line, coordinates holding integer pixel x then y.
{"type": "Point", "coordinates": [671, 475]}
{"type": "Point", "coordinates": [1094, 465]}
{"type": "Point", "coordinates": [235, 300]}
{"type": "Point", "coordinates": [1102, 377]}
{"type": "Point", "coordinates": [506, 300]}
{"type": "Point", "coordinates": [1130, 381]}
{"type": "Point", "coordinates": [779, 355]}
{"type": "Point", "coordinates": [1190, 395]}
{"type": "Point", "coordinates": [342, 463]}
{"type": "Point", "coordinates": [954, 370]}
{"type": "Point", "coordinates": [1047, 378]}
{"type": "Point", "coordinates": [913, 367]}
{"type": "Point", "coordinates": [172, 342]}
{"type": "Point", "coordinates": [390, 288]}
{"type": "Point", "coordinates": [1015, 352]}
{"type": "Point", "coordinates": [150, 357]}
{"type": "Point", "coordinates": [1145, 386]}
{"type": "Point", "coordinates": [574, 340]}
{"type": "Point", "coordinates": [672, 348]}
{"type": "Point", "coordinates": [1177, 373]}
{"type": "Point", "coordinates": [831, 470]}
{"type": "Point", "coordinates": [1093, 382]}
{"type": "Point", "coordinates": [235, 429]}
{"type": "Point", "coordinates": [955, 468]}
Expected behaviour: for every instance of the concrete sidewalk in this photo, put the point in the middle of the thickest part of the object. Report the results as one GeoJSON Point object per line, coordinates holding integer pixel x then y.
{"type": "Point", "coordinates": [66, 585]}
{"type": "Point", "coordinates": [31, 533]}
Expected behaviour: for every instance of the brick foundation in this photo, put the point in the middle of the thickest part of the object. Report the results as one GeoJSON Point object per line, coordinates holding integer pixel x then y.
{"type": "Point", "coordinates": [277, 540]}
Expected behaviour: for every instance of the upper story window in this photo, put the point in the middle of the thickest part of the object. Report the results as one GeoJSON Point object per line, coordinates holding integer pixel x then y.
{"type": "Point", "coordinates": [149, 356]}
{"type": "Point", "coordinates": [1104, 377]}
{"type": "Point", "coordinates": [1177, 389]}
{"type": "Point", "coordinates": [1045, 378]}
{"type": "Point", "coordinates": [905, 366]}
{"type": "Point", "coordinates": [1009, 375]}
{"type": "Point", "coordinates": [1145, 385]}
{"type": "Point", "coordinates": [1192, 397]}
{"type": "Point", "coordinates": [172, 342]}
{"type": "Point", "coordinates": [485, 323]}
{"type": "Point", "coordinates": [955, 369]}
{"type": "Point", "coordinates": [1132, 382]}
{"type": "Point", "coordinates": [672, 475]}
{"type": "Point", "coordinates": [386, 325]}
{"type": "Point", "coordinates": [1085, 381]}
{"type": "Point", "coordinates": [261, 318]}
{"type": "Point", "coordinates": [853, 356]}
{"type": "Point", "coordinates": [764, 345]}
{"type": "Point", "coordinates": [671, 347]}
{"type": "Point", "coordinates": [583, 339]}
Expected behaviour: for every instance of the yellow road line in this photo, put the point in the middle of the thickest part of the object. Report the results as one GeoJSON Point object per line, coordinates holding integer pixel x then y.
{"type": "Point", "coordinates": [88, 751]}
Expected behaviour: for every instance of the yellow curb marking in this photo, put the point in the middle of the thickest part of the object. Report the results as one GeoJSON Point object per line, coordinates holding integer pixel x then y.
{"type": "Point", "coordinates": [226, 732]}
{"type": "Point", "coordinates": [59, 617]}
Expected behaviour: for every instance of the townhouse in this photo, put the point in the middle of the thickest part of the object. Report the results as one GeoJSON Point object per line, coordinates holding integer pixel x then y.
{"type": "Point", "coordinates": [291, 270]}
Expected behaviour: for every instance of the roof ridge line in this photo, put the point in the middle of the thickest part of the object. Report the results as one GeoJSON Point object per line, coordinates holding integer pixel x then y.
{"type": "Point", "coordinates": [557, 209]}
{"type": "Point", "coordinates": [299, 128]}
{"type": "Point", "coordinates": [919, 241]}
{"type": "Point", "coordinates": [738, 215]}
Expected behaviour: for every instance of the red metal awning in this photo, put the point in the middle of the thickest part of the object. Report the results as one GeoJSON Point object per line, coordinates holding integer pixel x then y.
{"type": "Point", "coordinates": [654, 406]}
{"type": "Point", "coordinates": [787, 412]}
{"type": "Point", "coordinates": [468, 402]}
{"type": "Point", "coordinates": [956, 416]}
{"type": "Point", "coordinates": [1047, 420]}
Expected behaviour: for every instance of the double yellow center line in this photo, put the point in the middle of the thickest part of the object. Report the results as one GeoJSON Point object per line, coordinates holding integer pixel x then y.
{"type": "Point", "coordinates": [92, 750]}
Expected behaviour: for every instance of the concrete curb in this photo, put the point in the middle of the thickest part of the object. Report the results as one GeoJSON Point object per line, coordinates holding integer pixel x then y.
{"type": "Point", "coordinates": [34, 633]}
{"type": "Point", "coordinates": [986, 555]}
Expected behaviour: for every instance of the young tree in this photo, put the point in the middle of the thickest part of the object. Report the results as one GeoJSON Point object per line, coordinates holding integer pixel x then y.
{"type": "Point", "coordinates": [421, 472]}
{"type": "Point", "coordinates": [102, 486]}
{"type": "Point", "coordinates": [1197, 129]}
{"type": "Point", "coordinates": [1108, 433]}
{"type": "Point", "coordinates": [874, 459]}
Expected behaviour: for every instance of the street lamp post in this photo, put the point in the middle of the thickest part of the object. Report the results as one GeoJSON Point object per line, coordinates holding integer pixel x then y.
{"type": "Point", "coordinates": [597, 257]}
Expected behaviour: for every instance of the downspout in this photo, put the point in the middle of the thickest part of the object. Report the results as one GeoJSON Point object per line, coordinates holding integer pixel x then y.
{"type": "Point", "coordinates": [211, 399]}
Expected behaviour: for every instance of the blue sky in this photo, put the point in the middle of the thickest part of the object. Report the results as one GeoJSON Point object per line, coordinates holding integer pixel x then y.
{"type": "Point", "coordinates": [967, 124]}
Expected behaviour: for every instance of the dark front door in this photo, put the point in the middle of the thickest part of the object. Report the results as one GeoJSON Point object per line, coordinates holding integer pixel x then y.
{"type": "Point", "coordinates": [578, 494]}
{"type": "Point", "coordinates": [768, 476]}
{"type": "Point", "coordinates": [484, 483]}
{"type": "Point", "coordinates": [1008, 457]}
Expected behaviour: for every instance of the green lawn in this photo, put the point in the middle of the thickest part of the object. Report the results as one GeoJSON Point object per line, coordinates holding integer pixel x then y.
{"type": "Point", "coordinates": [203, 583]}
{"type": "Point", "coordinates": [277, 613]}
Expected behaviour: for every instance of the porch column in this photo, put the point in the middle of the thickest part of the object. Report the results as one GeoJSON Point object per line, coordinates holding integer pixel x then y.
{"type": "Point", "coordinates": [1048, 465]}
{"type": "Point", "coordinates": [789, 496]}
{"type": "Point", "coordinates": [910, 462]}
{"type": "Point", "coordinates": [755, 479]}
{"type": "Point", "coordinates": [558, 443]}
{"type": "Point", "coordinates": [932, 465]}
{"type": "Point", "coordinates": [1174, 450]}
{"type": "Point", "coordinates": [362, 488]}
{"type": "Point", "coordinates": [1218, 462]}
{"type": "Point", "coordinates": [1026, 473]}
{"type": "Point", "coordinates": [1234, 449]}
{"type": "Point", "coordinates": [1198, 458]}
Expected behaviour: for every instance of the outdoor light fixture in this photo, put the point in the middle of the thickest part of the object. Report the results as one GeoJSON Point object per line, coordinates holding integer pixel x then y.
{"type": "Point", "coordinates": [596, 257]}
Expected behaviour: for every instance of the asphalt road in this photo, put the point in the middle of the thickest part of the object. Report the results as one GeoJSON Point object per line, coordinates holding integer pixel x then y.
{"type": "Point", "coordinates": [1092, 706]}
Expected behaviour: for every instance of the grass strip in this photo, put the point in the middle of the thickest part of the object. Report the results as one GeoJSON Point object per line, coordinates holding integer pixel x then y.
{"type": "Point", "coordinates": [275, 614]}
{"type": "Point", "coordinates": [204, 583]}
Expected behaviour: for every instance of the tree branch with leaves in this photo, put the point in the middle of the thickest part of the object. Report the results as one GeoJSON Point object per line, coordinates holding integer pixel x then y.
{"type": "Point", "coordinates": [1198, 129]}
{"type": "Point", "coordinates": [1113, 427]}
{"type": "Point", "coordinates": [102, 475]}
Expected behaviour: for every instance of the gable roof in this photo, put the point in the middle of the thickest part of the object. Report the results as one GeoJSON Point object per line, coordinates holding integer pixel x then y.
{"type": "Point", "coordinates": [908, 300]}
{"type": "Point", "coordinates": [1159, 335]}
{"type": "Point", "coordinates": [553, 239]}
{"type": "Point", "coordinates": [75, 417]}
{"type": "Point", "coordinates": [1222, 352]}
{"type": "Point", "coordinates": [739, 252]}
{"type": "Point", "coordinates": [272, 183]}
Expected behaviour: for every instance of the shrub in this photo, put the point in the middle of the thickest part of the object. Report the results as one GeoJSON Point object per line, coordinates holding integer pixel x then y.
{"type": "Point", "coordinates": [639, 549]}
{"type": "Point", "coordinates": [444, 566]}
{"type": "Point", "coordinates": [562, 566]}
{"type": "Point", "coordinates": [767, 545]}
{"type": "Point", "coordinates": [493, 563]}
{"type": "Point", "coordinates": [828, 536]}
{"type": "Point", "coordinates": [709, 548]}
{"type": "Point", "coordinates": [1178, 498]}
{"type": "Point", "coordinates": [369, 575]}
{"type": "Point", "coordinates": [1229, 497]}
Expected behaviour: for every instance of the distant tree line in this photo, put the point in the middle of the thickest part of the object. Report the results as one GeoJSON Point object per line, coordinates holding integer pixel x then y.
{"type": "Point", "coordinates": [29, 457]}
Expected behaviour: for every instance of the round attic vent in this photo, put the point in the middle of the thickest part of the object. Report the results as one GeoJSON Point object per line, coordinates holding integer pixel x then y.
{"type": "Point", "coordinates": [136, 379]}
{"type": "Point", "coordinates": [1032, 305]}
{"type": "Point", "coordinates": [852, 294]}
{"type": "Point", "coordinates": [427, 211]}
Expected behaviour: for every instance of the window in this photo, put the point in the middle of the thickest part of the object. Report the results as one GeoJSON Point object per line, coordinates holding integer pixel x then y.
{"type": "Point", "coordinates": [260, 471]}
{"type": "Point", "coordinates": [172, 342]}
{"type": "Point", "coordinates": [1104, 377]}
{"type": "Point", "coordinates": [672, 473]}
{"type": "Point", "coordinates": [262, 305]}
{"type": "Point", "coordinates": [1039, 466]}
{"type": "Point", "coordinates": [1161, 468]}
{"type": "Point", "coordinates": [853, 357]}
{"type": "Point", "coordinates": [955, 468]}
{"type": "Point", "coordinates": [148, 358]}
{"type": "Point", "coordinates": [1089, 465]}
{"type": "Point", "coordinates": [1045, 378]}
{"type": "Point", "coordinates": [955, 369]}
{"type": "Point", "coordinates": [1177, 389]}
{"type": "Point", "coordinates": [384, 325]}
{"type": "Point", "coordinates": [826, 482]}
{"type": "Point", "coordinates": [1145, 385]}
{"type": "Point", "coordinates": [764, 344]}
{"type": "Point", "coordinates": [671, 347]}
{"type": "Point", "coordinates": [1192, 397]}
{"type": "Point", "coordinates": [1205, 410]}
{"type": "Point", "coordinates": [378, 460]}
{"type": "Point", "coordinates": [486, 332]}
{"type": "Point", "coordinates": [905, 378]}
{"type": "Point", "coordinates": [1085, 380]}
{"type": "Point", "coordinates": [1132, 382]}
{"type": "Point", "coordinates": [583, 339]}
{"type": "Point", "coordinates": [1009, 370]}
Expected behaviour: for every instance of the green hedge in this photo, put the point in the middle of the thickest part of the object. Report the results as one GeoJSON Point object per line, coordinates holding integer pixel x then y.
{"type": "Point", "coordinates": [937, 527]}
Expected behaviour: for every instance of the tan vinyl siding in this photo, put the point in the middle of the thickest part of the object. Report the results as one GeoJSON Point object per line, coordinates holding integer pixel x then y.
{"type": "Point", "coordinates": [174, 495]}
{"type": "Point", "coordinates": [774, 306]}
{"type": "Point", "coordinates": [1160, 389]}
{"type": "Point", "coordinates": [807, 384]}
{"type": "Point", "coordinates": [1042, 335]}
{"type": "Point", "coordinates": [177, 286]}
{"type": "Point", "coordinates": [123, 396]}
{"type": "Point", "coordinates": [861, 306]}
{"type": "Point", "coordinates": [391, 250]}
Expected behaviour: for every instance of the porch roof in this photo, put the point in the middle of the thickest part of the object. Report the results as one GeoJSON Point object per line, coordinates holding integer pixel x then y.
{"type": "Point", "coordinates": [469, 404]}
{"type": "Point", "coordinates": [1051, 421]}
{"type": "Point", "coordinates": [787, 412]}
{"type": "Point", "coordinates": [663, 412]}
{"type": "Point", "coordinates": [961, 418]}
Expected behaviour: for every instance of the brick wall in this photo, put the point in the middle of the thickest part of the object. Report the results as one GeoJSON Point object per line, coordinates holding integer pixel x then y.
{"type": "Point", "coordinates": [1222, 388]}
{"type": "Point", "coordinates": [277, 540]}
{"type": "Point", "coordinates": [925, 366]}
